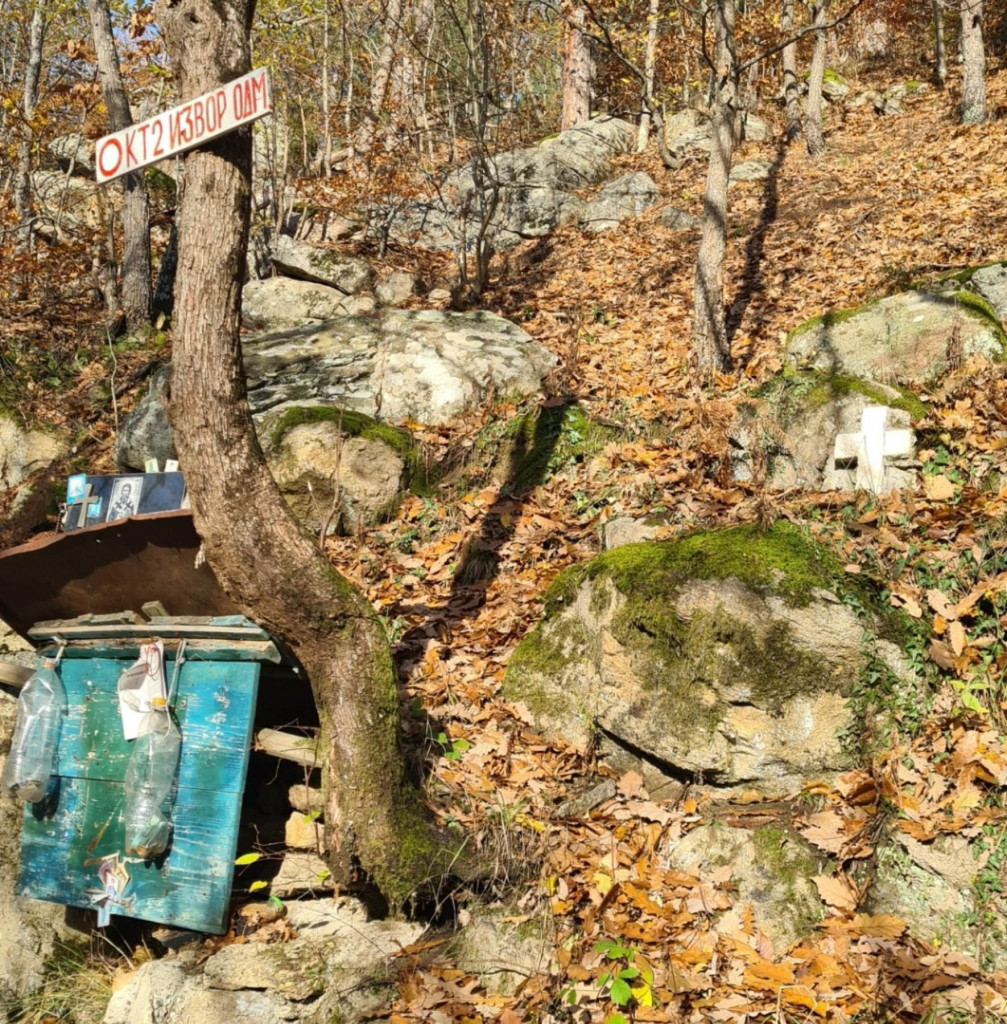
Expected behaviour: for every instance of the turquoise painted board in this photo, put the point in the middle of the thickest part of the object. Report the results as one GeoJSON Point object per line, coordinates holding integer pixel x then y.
{"type": "Point", "coordinates": [190, 887]}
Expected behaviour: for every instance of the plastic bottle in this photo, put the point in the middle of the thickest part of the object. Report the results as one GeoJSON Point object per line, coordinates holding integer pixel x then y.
{"type": "Point", "coordinates": [31, 762]}
{"type": "Point", "coordinates": [150, 776]}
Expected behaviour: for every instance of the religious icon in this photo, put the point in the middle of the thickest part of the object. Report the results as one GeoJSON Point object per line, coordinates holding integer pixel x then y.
{"type": "Point", "coordinates": [125, 498]}
{"type": "Point", "coordinates": [75, 487]}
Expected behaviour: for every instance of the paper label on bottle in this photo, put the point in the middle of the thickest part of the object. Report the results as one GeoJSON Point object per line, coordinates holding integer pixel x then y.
{"type": "Point", "coordinates": [139, 687]}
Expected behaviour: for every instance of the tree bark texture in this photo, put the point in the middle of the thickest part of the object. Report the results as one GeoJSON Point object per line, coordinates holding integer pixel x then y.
{"type": "Point", "coordinates": [22, 175]}
{"type": "Point", "coordinates": [137, 292]}
{"type": "Point", "coordinates": [791, 93]}
{"type": "Point", "coordinates": [813, 119]}
{"type": "Point", "coordinates": [578, 71]}
{"type": "Point", "coordinates": [275, 572]}
{"type": "Point", "coordinates": [709, 332]}
{"type": "Point", "coordinates": [974, 67]}
{"type": "Point", "coordinates": [649, 69]}
{"type": "Point", "coordinates": [364, 136]}
{"type": "Point", "coordinates": [940, 50]}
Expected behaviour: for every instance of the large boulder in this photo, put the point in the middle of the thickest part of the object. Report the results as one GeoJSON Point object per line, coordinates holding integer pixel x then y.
{"type": "Point", "coordinates": [535, 189]}
{"type": "Point", "coordinates": [146, 432]}
{"type": "Point", "coordinates": [422, 365]}
{"type": "Point", "coordinates": [24, 452]}
{"type": "Point", "coordinates": [74, 154]}
{"type": "Point", "coordinates": [280, 302]}
{"type": "Point", "coordinates": [310, 460]}
{"type": "Point", "coordinates": [627, 196]}
{"type": "Point", "coordinates": [688, 132]}
{"type": "Point", "coordinates": [73, 201]}
{"type": "Point", "coordinates": [324, 266]}
{"type": "Point", "coordinates": [338, 967]}
{"type": "Point", "coordinates": [729, 656]}
{"type": "Point", "coordinates": [910, 337]}
{"type": "Point", "coordinates": [502, 952]}
{"type": "Point", "coordinates": [794, 421]}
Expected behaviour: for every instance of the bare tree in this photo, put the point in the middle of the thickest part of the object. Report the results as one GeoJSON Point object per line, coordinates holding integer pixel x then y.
{"type": "Point", "coordinates": [22, 175]}
{"type": "Point", "coordinates": [578, 69]}
{"type": "Point", "coordinates": [709, 329]}
{"type": "Point", "coordinates": [973, 108]}
{"type": "Point", "coordinates": [137, 292]}
{"type": "Point", "coordinates": [375, 821]}
{"type": "Point", "coordinates": [649, 71]}
{"type": "Point", "coordinates": [941, 57]}
{"type": "Point", "coordinates": [790, 90]}
{"type": "Point", "coordinates": [813, 120]}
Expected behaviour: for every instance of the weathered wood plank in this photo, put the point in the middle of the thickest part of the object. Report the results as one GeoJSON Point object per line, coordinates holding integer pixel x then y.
{"type": "Point", "coordinates": [289, 746]}
{"type": "Point", "coordinates": [202, 650]}
{"type": "Point", "coordinates": [144, 631]}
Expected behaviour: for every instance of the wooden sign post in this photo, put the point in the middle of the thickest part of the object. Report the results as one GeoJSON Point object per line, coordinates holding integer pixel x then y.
{"type": "Point", "coordinates": [242, 101]}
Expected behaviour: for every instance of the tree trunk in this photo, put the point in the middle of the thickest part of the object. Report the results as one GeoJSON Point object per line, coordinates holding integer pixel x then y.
{"type": "Point", "coordinates": [274, 571]}
{"type": "Point", "coordinates": [649, 68]}
{"type": "Point", "coordinates": [709, 331]}
{"type": "Point", "coordinates": [813, 119]}
{"type": "Point", "coordinates": [941, 64]}
{"type": "Point", "coordinates": [974, 69]}
{"type": "Point", "coordinates": [790, 91]}
{"type": "Point", "coordinates": [22, 175]}
{"type": "Point", "coordinates": [578, 71]}
{"type": "Point", "coordinates": [137, 293]}
{"type": "Point", "coordinates": [363, 137]}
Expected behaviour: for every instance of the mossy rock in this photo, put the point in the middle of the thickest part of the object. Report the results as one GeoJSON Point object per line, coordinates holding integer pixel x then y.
{"type": "Point", "coordinates": [903, 339]}
{"type": "Point", "coordinates": [729, 655]}
{"type": "Point", "coordinates": [771, 870]}
{"type": "Point", "coordinates": [795, 418]}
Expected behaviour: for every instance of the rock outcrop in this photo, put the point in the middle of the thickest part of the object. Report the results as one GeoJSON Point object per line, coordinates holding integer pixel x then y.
{"type": "Point", "coordinates": [908, 338]}
{"type": "Point", "coordinates": [729, 656]}
{"type": "Point", "coordinates": [626, 196]}
{"type": "Point", "coordinates": [24, 452]}
{"type": "Point", "coordinates": [534, 189]}
{"type": "Point", "coordinates": [278, 303]}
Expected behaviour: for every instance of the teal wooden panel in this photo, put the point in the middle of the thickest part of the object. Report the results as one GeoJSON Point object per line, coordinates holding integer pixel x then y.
{"type": "Point", "coordinates": [191, 886]}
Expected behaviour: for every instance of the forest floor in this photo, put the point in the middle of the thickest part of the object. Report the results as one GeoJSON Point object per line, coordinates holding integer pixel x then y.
{"type": "Point", "coordinates": [893, 200]}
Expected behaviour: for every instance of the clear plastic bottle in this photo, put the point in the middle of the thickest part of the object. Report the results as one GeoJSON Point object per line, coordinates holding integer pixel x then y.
{"type": "Point", "coordinates": [31, 762]}
{"type": "Point", "coordinates": [150, 776]}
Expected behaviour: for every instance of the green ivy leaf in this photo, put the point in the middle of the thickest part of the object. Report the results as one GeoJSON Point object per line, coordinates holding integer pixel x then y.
{"type": "Point", "coordinates": [620, 992]}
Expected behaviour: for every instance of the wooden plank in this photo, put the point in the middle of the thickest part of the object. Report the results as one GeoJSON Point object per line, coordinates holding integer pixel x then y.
{"type": "Point", "coordinates": [215, 705]}
{"type": "Point", "coordinates": [289, 746]}
{"type": "Point", "coordinates": [201, 650]}
{"type": "Point", "coordinates": [144, 631]}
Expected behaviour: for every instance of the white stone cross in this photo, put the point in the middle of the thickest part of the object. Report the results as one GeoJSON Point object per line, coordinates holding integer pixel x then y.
{"type": "Point", "coordinates": [863, 455]}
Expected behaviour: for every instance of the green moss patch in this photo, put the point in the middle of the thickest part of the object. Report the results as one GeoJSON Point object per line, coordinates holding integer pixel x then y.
{"type": "Point", "coordinates": [796, 393]}
{"type": "Point", "coordinates": [357, 424]}
{"type": "Point", "coordinates": [781, 560]}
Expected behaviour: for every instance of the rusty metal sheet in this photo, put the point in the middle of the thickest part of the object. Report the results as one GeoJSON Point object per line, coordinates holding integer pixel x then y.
{"type": "Point", "coordinates": [109, 568]}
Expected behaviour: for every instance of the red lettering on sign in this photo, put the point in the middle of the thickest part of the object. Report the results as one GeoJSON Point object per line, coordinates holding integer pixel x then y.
{"type": "Point", "coordinates": [173, 130]}
{"type": "Point", "coordinates": [200, 121]}
{"type": "Point", "coordinates": [129, 138]}
{"type": "Point", "coordinates": [239, 110]}
{"type": "Point", "coordinates": [158, 129]}
{"type": "Point", "coordinates": [221, 101]}
{"type": "Point", "coordinates": [105, 170]}
{"type": "Point", "coordinates": [210, 109]}
{"type": "Point", "coordinates": [259, 89]}
{"type": "Point", "coordinates": [142, 129]}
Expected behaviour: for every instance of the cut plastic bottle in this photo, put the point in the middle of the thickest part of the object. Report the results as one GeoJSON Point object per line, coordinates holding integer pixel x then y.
{"type": "Point", "coordinates": [41, 707]}
{"type": "Point", "coordinates": [149, 781]}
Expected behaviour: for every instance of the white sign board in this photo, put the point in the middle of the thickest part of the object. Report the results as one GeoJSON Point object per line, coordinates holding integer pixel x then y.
{"type": "Point", "coordinates": [239, 102]}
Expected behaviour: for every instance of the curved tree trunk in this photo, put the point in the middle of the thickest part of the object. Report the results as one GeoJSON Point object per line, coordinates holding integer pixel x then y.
{"type": "Point", "coordinates": [941, 55]}
{"type": "Point", "coordinates": [578, 71]}
{"type": "Point", "coordinates": [813, 120]}
{"type": "Point", "coordinates": [790, 90]}
{"type": "Point", "coordinates": [137, 293]}
{"type": "Point", "coordinates": [709, 330]}
{"type": "Point", "coordinates": [974, 69]}
{"type": "Point", "coordinates": [374, 818]}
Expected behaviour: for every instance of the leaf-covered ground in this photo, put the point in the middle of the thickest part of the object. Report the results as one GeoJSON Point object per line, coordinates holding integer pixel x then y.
{"type": "Point", "coordinates": [459, 577]}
